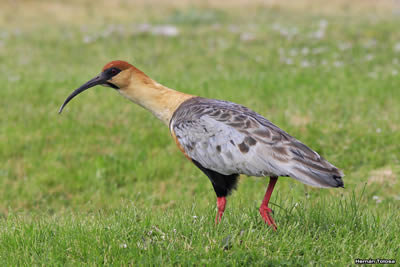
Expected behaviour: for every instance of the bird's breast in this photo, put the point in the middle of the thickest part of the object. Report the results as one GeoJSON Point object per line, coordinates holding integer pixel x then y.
{"type": "Point", "coordinates": [179, 144]}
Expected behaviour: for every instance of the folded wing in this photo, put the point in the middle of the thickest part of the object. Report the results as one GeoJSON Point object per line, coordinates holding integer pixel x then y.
{"type": "Point", "coordinates": [230, 138]}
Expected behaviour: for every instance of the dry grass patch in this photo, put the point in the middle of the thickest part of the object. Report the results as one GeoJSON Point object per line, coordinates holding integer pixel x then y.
{"type": "Point", "coordinates": [387, 175]}
{"type": "Point", "coordinates": [26, 13]}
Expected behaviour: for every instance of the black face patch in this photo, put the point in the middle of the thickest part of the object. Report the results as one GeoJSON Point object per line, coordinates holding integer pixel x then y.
{"type": "Point", "coordinates": [111, 72]}
{"type": "Point", "coordinates": [108, 74]}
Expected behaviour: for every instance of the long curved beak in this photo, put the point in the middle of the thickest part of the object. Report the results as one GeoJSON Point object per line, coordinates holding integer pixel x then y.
{"type": "Point", "coordinates": [93, 82]}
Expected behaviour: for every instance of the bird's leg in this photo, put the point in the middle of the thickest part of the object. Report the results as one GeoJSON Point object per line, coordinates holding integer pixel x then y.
{"type": "Point", "coordinates": [265, 211]}
{"type": "Point", "coordinates": [221, 202]}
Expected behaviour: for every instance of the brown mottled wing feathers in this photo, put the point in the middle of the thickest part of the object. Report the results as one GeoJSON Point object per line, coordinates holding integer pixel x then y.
{"type": "Point", "coordinates": [229, 138]}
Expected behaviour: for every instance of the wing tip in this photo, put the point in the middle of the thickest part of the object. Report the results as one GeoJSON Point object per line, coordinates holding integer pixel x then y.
{"type": "Point", "coordinates": [328, 179]}
{"type": "Point", "coordinates": [338, 179]}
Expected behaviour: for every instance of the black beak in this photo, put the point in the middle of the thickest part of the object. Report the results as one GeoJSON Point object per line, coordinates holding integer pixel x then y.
{"type": "Point", "coordinates": [101, 79]}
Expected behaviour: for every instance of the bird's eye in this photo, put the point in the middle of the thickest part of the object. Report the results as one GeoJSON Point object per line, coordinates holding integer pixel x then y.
{"type": "Point", "coordinates": [111, 72]}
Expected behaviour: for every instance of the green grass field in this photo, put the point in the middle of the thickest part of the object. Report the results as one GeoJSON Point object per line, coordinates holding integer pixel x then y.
{"type": "Point", "coordinates": [104, 183]}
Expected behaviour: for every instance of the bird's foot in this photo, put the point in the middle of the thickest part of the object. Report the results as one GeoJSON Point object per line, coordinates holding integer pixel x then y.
{"type": "Point", "coordinates": [221, 202]}
{"type": "Point", "coordinates": [218, 217]}
{"type": "Point", "coordinates": [266, 215]}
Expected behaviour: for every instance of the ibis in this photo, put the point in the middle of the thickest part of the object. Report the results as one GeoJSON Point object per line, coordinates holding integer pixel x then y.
{"type": "Point", "coordinates": [221, 138]}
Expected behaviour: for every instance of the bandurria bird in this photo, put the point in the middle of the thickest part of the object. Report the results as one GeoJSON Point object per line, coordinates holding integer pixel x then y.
{"type": "Point", "coordinates": [221, 138]}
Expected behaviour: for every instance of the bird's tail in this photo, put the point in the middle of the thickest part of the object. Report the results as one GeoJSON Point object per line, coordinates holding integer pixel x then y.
{"type": "Point", "coordinates": [312, 169]}
{"type": "Point", "coordinates": [318, 176]}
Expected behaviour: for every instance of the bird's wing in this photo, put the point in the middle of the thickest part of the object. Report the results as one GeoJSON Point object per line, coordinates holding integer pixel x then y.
{"type": "Point", "coordinates": [229, 138]}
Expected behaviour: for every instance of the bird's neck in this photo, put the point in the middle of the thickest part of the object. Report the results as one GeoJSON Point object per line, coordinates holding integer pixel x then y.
{"type": "Point", "coordinates": [158, 99]}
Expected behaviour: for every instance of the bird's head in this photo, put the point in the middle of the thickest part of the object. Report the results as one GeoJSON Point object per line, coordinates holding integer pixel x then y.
{"type": "Point", "coordinates": [115, 74]}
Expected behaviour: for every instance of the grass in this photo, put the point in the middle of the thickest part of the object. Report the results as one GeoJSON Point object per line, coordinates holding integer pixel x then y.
{"type": "Point", "coordinates": [104, 183]}
{"type": "Point", "coordinates": [318, 234]}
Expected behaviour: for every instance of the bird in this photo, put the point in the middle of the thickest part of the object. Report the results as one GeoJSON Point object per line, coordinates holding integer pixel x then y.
{"type": "Point", "coordinates": [223, 139]}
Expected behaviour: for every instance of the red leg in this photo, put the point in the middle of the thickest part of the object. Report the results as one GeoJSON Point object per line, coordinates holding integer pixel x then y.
{"type": "Point", "coordinates": [221, 202]}
{"type": "Point", "coordinates": [265, 211]}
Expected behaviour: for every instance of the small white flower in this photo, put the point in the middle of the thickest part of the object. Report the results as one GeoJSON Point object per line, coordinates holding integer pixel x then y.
{"type": "Point", "coordinates": [377, 199]}
{"type": "Point", "coordinates": [144, 27]}
{"type": "Point", "coordinates": [246, 36]}
{"type": "Point", "coordinates": [13, 78]}
{"type": "Point", "coordinates": [395, 72]}
{"type": "Point", "coordinates": [284, 32]}
{"type": "Point", "coordinates": [194, 217]}
{"type": "Point", "coordinates": [233, 28]}
{"type": "Point", "coordinates": [289, 61]}
{"type": "Point", "coordinates": [123, 245]}
{"type": "Point", "coordinates": [17, 32]}
{"type": "Point", "coordinates": [216, 26]}
{"type": "Point", "coordinates": [305, 51]}
{"type": "Point", "coordinates": [344, 46]}
{"type": "Point", "coordinates": [318, 50]}
{"type": "Point", "coordinates": [337, 64]}
{"type": "Point", "coordinates": [88, 39]}
{"type": "Point", "coordinates": [258, 59]}
{"type": "Point", "coordinates": [4, 35]}
{"type": "Point", "coordinates": [370, 43]}
{"type": "Point", "coordinates": [305, 64]}
{"type": "Point", "coordinates": [369, 57]}
{"type": "Point", "coordinates": [323, 23]}
{"type": "Point", "coordinates": [396, 48]}
{"type": "Point", "coordinates": [293, 52]}
{"type": "Point", "coordinates": [378, 130]}
{"type": "Point", "coordinates": [276, 26]}
{"type": "Point", "coordinates": [319, 34]}
{"type": "Point", "coordinates": [165, 30]}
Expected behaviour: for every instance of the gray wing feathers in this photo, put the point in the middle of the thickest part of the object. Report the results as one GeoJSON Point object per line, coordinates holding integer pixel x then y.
{"type": "Point", "coordinates": [229, 138]}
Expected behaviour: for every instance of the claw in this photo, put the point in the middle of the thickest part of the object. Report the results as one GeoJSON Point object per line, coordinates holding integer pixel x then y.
{"type": "Point", "coordinates": [266, 215]}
